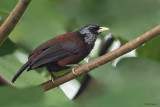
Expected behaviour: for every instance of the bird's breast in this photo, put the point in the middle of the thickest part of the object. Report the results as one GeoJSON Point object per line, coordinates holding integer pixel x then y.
{"type": "Point", "coordinates": [80, 55]}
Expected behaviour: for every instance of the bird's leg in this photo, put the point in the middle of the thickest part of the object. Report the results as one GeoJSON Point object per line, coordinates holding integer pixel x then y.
{"type": "Point", "coordinates": [52, 77]}
{"type": "Point", "coordinates": [75, 66]}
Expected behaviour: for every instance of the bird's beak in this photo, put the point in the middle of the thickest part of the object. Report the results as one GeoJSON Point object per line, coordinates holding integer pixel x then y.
{"type": "Point", "coordinates": [101, 29]}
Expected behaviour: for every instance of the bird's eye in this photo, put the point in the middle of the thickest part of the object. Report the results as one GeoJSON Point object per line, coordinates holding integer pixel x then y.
{"type": "Point", "coordinates": [90, 28]}
{"type": "Point", "coordinates": [95, 28]}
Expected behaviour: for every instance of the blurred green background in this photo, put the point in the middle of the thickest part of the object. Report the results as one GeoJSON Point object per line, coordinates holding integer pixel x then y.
{"type": "Point", "coordinates": [134, 82]}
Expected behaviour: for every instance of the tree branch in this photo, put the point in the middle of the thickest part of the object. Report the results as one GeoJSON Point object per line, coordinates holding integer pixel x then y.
{"type": "Point", "coordinates": [4, 81]}
{"type": "Point", "coordinates": [103, 59]}
{"type": "Point", "coordinates": [12, 19]}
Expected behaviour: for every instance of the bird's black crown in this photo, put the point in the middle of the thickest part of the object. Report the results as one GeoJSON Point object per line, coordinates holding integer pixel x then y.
{"type": "Point", "coordinates": [90, 29]}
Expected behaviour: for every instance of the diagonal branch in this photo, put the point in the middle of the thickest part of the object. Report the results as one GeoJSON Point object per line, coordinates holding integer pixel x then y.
{"type": "Point", "coordinates": [139, 41]}
{"type": "Point", "coordinates": [4, 81]}
{"type": "Point", "coordinates": [13, 19]}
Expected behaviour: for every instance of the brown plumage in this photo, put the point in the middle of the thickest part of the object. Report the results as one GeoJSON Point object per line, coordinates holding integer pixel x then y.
{"type": "Point", "coordinates": [65, 49]}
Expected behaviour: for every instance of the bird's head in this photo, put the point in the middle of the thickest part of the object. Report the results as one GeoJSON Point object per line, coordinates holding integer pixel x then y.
{"type": "Point", "coordinates": [91, 31]}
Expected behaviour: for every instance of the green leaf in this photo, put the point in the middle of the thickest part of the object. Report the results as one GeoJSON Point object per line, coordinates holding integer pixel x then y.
{"type": "Point", "coordinates": [9, 65]}
{"type": "Point", "coordinates": [150, 49]}
{"type": "Point", "coordinates": [28, 97]}
{"type": "Point", "coordinates": [3, 16]}
{"type": "Point", "coordinates": [6, 7]}
{"type": "Point", "coordinates": [134, 83]}
{"type": "Point", "coordinates": [8, 47]}
{"type": "Point", "coordinates": [57, 98]}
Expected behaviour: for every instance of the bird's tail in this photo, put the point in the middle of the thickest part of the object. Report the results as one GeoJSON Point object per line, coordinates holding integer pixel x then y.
{"type": "Point", "coordinates": [20, 71]}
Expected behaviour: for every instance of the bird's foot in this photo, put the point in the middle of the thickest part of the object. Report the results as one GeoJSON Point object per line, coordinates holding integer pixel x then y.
{"type": "Point", "coordinates": [53, 80]}
{"type": "Point", "coordinates": [73, 70]}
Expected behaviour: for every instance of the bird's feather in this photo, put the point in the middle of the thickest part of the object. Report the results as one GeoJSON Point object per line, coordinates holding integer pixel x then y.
{"type": "Point", "coordinates": [54, 53]}
{"type": "Point", "coordinates": [20, 71]}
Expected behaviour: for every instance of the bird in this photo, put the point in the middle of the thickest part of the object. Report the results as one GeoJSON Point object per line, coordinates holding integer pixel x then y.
{"type": "Point", "coordinates": [61, 51]}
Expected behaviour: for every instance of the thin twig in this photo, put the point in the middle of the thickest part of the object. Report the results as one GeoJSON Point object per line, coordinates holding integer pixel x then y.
{"type": "Point", "coordinates": [4, 81]}
{"type": "Point", "coordinates": [12, 19]}
{"type": "Point", "coordinates": [103, 59]}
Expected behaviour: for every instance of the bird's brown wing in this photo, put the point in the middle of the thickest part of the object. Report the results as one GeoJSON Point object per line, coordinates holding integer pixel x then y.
{"type": "Point", "coordinates": [54, 53]}
{"type": "Point", "coordinates": [43, 46]}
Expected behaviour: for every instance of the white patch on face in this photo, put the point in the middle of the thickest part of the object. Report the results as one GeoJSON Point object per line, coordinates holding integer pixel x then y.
{"type": "Point", "coordinates": [90, 38]}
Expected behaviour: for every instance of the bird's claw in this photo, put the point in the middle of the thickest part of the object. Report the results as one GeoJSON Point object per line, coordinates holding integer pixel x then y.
{"type": "Point", "coordinates": [53, 81]}
{"type": "Point", "coordinates": [52, 78]}
{"type": "Point", "coordinates": [73, 70]}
